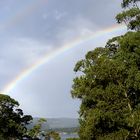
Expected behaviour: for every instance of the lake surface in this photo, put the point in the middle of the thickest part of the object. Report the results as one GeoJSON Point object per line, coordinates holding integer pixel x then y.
{"type": "Point", "coordinates": [64, 136]}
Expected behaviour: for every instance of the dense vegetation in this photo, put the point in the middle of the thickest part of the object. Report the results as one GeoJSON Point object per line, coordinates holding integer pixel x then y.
{"type": "Point", "coordinates": [12, 120]}
{"type": "Point", "coordinates": [109, 86]}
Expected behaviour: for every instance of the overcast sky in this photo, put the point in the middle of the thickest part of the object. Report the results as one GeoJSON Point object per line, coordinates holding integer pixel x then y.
{"type": "Point", "coordinates": [29, 29]}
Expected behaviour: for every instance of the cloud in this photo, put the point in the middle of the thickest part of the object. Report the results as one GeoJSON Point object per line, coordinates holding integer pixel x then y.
{"type": "Point", "coordinates": [46, 92]}
{"type": "Point", "coordinates": [62, 15]}
{"type": "Point", "coordinates": [19, 53]}
{"type": "Point", "coordinates": [59, 15]}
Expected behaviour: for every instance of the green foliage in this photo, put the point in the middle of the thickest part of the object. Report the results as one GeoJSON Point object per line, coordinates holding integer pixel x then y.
{"type": "Point", "coordinates": [131, 15]}
{"type": "Point", "coordinates": [1, 137]}
{"type": "Point", "coordinates": [109, 90]}
{"type": "Point", "coordinates": [12, 121]}
{"type": "Point", "coordinates": [127, 3]}
{"type": "Point", "coordinates": [72, 139]}
{"type": "Point", "coordinates": [36, 130]}
{"type": "Point", "coordinates": [54, 135]}
{"type": "Point", "coordinates": [109, 86]}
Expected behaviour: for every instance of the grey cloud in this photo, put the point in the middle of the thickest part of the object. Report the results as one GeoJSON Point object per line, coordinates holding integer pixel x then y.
{"type": "Point", "coordinates": [54, 24]}
{"type": "Point", "coordinates": [68, 12]}
{"type": "Point", "coordinates": [18, 54]}
{"type": "Point", "coordinates": [48, 89]}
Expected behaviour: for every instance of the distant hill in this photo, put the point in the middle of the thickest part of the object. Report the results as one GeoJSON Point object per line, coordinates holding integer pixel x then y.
{"type": "Point", "coordinates": [57, 123]}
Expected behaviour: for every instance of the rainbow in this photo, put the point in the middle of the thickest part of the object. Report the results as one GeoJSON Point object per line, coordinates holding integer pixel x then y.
{"type": "Point", "coordinates": [56, 52]}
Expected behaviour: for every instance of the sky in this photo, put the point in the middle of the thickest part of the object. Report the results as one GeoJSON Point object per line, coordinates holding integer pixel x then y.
{"type": "Point", "coordinates": [32, 29]}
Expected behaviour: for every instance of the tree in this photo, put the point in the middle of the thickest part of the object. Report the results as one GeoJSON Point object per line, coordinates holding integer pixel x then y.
{"type": "Point", "coordinates": [131, 15]}
{"type": "Point", "coordinates": [72, 139]}
{"type": "Point", "coordinates": [109, 86]}
{"type": "Point", "coordinates": [36, 130]}
{"type": "Point", "coordinates": [37, 133]}
{"type": "Point", "coordinates": [12, 120]}
{"type": "Point", "coordinates": [54, 135]}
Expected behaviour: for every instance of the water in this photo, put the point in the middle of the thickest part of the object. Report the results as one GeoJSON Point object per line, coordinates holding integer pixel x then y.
{"type": "Point", "coordinates": [64, 136]}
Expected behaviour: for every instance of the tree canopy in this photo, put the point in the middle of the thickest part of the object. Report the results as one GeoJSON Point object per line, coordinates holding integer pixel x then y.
{"type": "Point", "coordinates": [12, 120]}
{"type": "Point", "coordinates": [131, 15]}
{"type": "Point", "coordinates": [109, 86]}
{"type": "Point", "coordinates": [35, 132]}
